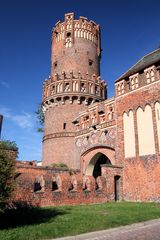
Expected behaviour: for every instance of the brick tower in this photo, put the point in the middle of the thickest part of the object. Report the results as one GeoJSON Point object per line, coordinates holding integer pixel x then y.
{"type": "Point", "coordinates": [73, 84]}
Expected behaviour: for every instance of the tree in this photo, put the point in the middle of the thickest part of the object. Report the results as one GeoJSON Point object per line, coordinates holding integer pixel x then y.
{"type": "Point", "coordinates": [7, 172]}
{"type": "Point", "coordinates": [8, 145]}
{"type": "Point", "coordinates": [40, 117]}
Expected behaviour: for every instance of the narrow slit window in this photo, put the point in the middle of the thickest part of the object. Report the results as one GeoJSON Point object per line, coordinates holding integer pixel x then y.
{"type": "Point", "coordinates": [90, 62]}
{"type": "Point", "coordinates": [55, 64]}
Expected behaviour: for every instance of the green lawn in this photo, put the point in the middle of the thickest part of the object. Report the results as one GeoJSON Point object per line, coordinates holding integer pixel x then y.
{"type": "Point", "coordinates": [52, 222]}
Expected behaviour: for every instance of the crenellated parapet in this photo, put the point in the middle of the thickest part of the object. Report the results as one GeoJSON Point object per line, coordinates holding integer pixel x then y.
{"type": "Point", "coordinates": [58, 89]}
{"type": "Point", "coordinates": [71, 29]}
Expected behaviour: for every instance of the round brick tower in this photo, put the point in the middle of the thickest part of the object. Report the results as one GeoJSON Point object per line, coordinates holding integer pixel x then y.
{"type": "Point", "coordinates": [74, 83]}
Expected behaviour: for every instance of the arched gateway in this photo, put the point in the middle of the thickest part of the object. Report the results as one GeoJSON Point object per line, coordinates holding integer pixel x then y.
{"type": "Point", "coordinates": [94, 166]}
{"type": "Point", "coordinates": [100, 162]}
{"type": "Point", "coordinates": [92, 160]}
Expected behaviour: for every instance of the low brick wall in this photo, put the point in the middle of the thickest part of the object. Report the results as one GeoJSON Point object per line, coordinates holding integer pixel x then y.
{"type": "Point", "coordinates": [26, 176]}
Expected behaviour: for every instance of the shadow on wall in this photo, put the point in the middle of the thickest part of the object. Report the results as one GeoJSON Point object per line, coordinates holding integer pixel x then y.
{"type": "Point", "coordinates": [22, 213]}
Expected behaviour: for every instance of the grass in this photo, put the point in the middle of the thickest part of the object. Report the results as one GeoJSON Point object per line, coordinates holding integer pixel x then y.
{"type": "Point", "coordinates": [52, 222]}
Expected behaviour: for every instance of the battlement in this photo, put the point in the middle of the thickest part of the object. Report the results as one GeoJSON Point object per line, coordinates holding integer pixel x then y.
{"type": "Point", "coordinates": [69, 29]}
{"type": "Point", "coordinates": [71, 75]}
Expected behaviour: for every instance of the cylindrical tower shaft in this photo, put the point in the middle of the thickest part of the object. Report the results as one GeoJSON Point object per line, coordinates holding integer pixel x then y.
{"type": "Point", "coordinates": [74, 83]}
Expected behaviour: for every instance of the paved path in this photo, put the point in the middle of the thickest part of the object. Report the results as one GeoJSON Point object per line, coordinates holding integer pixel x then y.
{"type": "Point", "coordinates": [149, 230]}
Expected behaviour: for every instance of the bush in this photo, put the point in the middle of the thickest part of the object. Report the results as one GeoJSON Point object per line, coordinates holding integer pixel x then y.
{"type": "Point", "coordinates": [59, 165]}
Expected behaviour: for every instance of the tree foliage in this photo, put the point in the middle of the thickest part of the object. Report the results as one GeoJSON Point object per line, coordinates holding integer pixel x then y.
{"type": "Point", "coordinates": [7, 174]}
{"type": "Point", "coordinates": [40, 117]}
{"type": "Point", "coordinates": [8, 145]}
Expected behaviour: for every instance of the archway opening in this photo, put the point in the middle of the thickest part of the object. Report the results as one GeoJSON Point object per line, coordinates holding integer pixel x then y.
{"type": "Point", "coordinates": [94, 166]}
{"type": "Point", "coordinates": [97, 167]}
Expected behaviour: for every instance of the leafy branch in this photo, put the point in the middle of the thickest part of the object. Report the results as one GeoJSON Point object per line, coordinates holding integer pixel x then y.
{"type": "Point", "coordinates": [40, 117]}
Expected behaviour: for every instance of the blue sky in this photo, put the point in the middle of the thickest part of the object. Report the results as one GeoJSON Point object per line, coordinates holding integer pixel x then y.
{"type": "Point", "coordinates": [129, 29]}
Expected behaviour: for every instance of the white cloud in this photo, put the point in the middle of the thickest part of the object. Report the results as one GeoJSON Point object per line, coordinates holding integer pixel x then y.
{"type": "Point", "coordinates": [24, 120]}
{"type": "Point", "coordinates": [5, 84]}
{"type": "Point", "coordinates": [5, 112]}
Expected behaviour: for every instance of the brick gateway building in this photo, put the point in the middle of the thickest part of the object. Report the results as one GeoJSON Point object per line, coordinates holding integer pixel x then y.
{"type": "Point", "coordinates": [111, 146]}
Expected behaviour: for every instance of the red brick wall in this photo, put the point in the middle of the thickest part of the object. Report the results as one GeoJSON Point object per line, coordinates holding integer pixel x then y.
{"type": "Point", "coordinates": [140, 174]}
{"type": "Point", "coordinates": [141, 180]}
{"type": "Point", "coordinates": [25, 184]}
